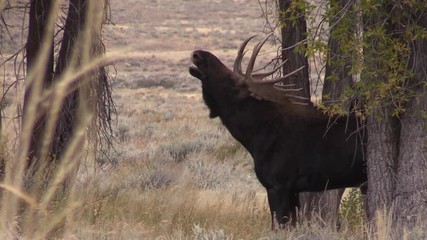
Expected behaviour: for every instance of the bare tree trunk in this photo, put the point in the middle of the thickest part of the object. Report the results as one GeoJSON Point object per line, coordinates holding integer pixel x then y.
{"type": "Point", "coordinates": [57, 135]}
{"type": "Point", "coordinates": [396, 151]}
{"type": "Point", "coordinates": [381, 155]}
{"type": "Point", "coordinates": [411, 186]}
{"type": "Point", "coordinates": [337, 78]}
{"type": "Point", "coordinates": [294, 36]}
{"type": "Point", "coordinates": [37, 28]}
{"type": "Point", "coordinates": [338, 66]}
{"type": "Point", "coordinates": [44, 155]}
{"type": "Point", "coordinates": [322, 204]}
{"type": "Point", "coordinates": [325, 204]}
{"type": "Point", "coordinates": [74, 25]}
{"type": "Point", "coordinates": [382, 145]}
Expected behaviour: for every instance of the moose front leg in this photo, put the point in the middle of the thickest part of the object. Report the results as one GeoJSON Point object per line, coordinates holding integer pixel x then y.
{"type": "Point", "coordinates": [283, 206]}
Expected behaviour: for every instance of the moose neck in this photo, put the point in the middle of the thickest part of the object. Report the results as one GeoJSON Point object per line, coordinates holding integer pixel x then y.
{"type": "Point", "coordinates": [251, 120]}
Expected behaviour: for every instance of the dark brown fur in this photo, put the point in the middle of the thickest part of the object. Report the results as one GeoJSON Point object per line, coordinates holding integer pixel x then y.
{"type": "Point", "coordinates": [295, 148]}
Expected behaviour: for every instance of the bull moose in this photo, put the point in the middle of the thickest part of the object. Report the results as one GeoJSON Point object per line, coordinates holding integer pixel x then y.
{"type": "Point", "coordinates": [295, 147]}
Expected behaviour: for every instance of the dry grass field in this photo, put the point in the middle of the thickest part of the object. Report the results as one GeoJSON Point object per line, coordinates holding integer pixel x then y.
{"type": "Point", "coordinates": [178, 174]}
{"type": "Point", "coordinates": [175, 173]}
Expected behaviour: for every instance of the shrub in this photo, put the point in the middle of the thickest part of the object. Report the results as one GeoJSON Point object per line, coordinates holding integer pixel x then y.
{"type": "Point", "coordinates": [352, 210]}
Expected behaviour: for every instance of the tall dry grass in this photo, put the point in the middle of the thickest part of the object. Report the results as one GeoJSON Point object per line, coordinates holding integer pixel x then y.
{"type": "Point", "coordinates": [36, 202]}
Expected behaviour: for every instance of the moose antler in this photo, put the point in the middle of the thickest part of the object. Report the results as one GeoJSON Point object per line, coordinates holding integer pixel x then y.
{"type": "Point", "coordinates": [265, 89]}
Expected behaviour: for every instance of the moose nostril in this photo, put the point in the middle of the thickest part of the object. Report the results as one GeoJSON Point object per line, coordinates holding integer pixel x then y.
{"type": "Point", "coordinates": [199, 59]}
{"type": "Point", "coordinates": [196, 56]}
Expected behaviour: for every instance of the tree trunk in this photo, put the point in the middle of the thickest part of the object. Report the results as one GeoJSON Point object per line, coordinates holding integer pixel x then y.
{"type": "Point", "coordinates": [383, 130]}
{"type": "Point", "coordinates": [396, 150]}
{"type": "Point", "coordinates": [337, 78]}
{"type": "Point", "coordinates": [411, 173]}
{"type": "Point", "coordinates": [381, 156]}
{"type": "Point", "coordinates": [324, 205]}
{"type": "Point", "coordinates": [338, 66]}
{"type": "Point", "coordinates": [293, 37]}
{"type": "Point", "coordinates": [58, 136]}
{"type": "Point", "coordinates": [74, 26]}
{"type": "Point", "coordinates": [37, 28]}
{"type": "Point", "coordinates": [410, 195]}
{"type": "Point", "coordinates": [44, 155]}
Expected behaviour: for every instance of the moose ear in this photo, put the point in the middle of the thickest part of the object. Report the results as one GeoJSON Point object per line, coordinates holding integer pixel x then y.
{"type": "Point", "coordinates": [195, 72]}
{"type": "Point", "coordinates": [241, 88]}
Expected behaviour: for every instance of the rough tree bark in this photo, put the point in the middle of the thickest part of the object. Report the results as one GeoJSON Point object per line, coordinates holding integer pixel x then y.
{"type": "Point", "coordinates": [410, 193]}
{"type": "Point", "coordinates": [325, 204]}
{"type": "Point", "coordinates": [382, 135]}
{"type": "Point", "coordinates": [410, 196]}
{"type": "Point", "coordinates": [293, 37]}
{"type": "Point", "coordinates": [397, 152]}
{"type": "Point", "coordinates": [338, 66]}
{"type": "Point", "coordinates": [381, 156]}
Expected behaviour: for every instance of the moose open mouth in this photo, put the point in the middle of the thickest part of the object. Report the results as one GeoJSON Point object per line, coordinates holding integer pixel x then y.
{"type": "Point", "coordinates": [195, 72]}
